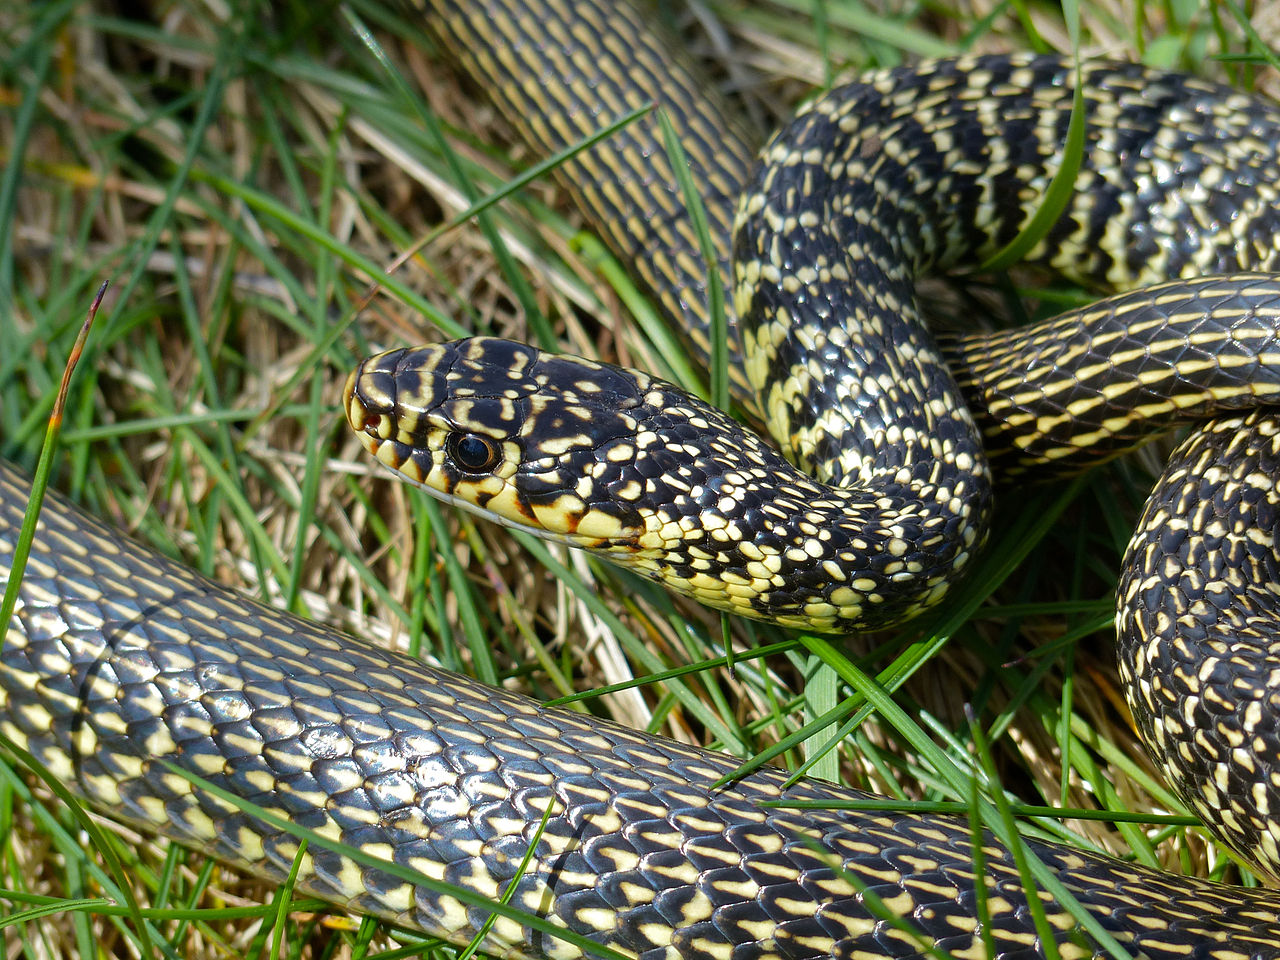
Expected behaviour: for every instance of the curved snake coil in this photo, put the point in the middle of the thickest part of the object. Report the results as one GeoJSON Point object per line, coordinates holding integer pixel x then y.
{"type": "Point", "coordinates": [119, 660]}
{"type": "Point", "coordinates": [902, 172]}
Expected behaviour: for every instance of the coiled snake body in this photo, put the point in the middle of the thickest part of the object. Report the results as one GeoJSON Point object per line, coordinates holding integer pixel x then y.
{"type": "Point", "coordinates": [120, 662]}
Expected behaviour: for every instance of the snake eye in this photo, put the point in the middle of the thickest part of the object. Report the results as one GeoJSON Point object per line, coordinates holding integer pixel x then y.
{"type": "Point", "coordinates": [471, 452]}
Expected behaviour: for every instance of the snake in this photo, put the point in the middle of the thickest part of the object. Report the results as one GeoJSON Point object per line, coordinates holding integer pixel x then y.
{"type": "Point", "coordinates": [427, 797]}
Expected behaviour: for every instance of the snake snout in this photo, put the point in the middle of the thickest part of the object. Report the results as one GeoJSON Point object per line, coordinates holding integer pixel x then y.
{"type": "Point", "coordinates": [390, 394]}
{"type": "Point", "coordinates": [358, 413]}
{"type": "Point", "coordinates": [368, 410]}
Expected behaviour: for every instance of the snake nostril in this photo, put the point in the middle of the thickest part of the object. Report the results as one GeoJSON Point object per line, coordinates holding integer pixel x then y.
{"type": "Point", "coordinates": [368, 401]}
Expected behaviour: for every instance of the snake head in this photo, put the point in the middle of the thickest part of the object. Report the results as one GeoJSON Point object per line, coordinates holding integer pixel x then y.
{"type": "Point", "coordinates": [617, 461]}
{"type": "Point", "coordinates": [528, 439]}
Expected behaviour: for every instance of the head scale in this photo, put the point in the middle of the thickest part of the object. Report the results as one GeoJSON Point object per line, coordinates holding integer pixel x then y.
{"type": "Point", "coordinates": [526, 438]}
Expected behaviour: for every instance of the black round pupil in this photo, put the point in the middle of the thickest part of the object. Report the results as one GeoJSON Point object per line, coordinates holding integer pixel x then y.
{"type": "Point", "coordinates": [472, 452]}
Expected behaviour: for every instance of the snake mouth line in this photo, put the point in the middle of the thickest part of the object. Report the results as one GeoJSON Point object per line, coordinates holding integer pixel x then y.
{"type": "Point", "coordinates": [414, 466]}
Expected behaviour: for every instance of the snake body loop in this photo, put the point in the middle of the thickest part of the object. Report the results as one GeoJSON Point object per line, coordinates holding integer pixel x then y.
{"type": "Point", "coordinates": [122, 667]}
{"type": "Point", "coordinates": [902, 172]}
{"type": "Point", "coordinates": [121, 662]}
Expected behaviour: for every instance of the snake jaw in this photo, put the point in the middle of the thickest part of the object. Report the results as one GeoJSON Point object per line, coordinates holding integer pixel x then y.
{"type": "Point", "coordinates": [414, 410]}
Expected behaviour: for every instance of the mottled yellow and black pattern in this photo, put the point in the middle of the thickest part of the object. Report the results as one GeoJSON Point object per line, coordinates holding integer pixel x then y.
{"type": "Point", "coordinates": [1199, 601]}
{"type": "Point", "coordinates": [617, 461]}
{"type": "Point", "coordinates": [120, 661]}
{"type": "Point", "coordinates": [938, 167]}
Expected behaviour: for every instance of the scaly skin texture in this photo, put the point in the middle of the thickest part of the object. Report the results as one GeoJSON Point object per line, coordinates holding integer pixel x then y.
{"type": "Point", "coordinates": [938, 167]}
{"type": "Point", "coordinates": [120, 662]}
{"type": "Point", "coordinates": [1197, 629]}
{"type": "Point", "coordinates": [617, 461]}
